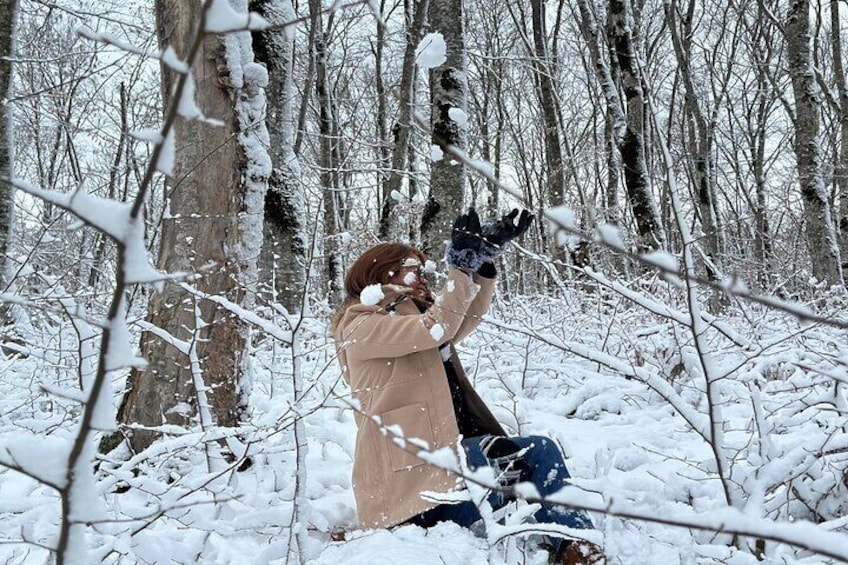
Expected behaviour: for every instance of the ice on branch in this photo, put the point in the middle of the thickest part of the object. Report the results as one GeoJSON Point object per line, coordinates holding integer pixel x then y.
{"type": "Point", "coordinates": [114, 219]}
{"type": "Point", "coordinates": [664, 261]}
{"type": "Point", "coordinates": [431, 51]}
{"type": "Point", "coordinates": [609, 235]}
{"type": "Point", "coordinates": [563, 225]}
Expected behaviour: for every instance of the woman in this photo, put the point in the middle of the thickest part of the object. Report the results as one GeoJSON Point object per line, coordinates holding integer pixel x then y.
{"type": "Point", "coordinates": [395, 343]}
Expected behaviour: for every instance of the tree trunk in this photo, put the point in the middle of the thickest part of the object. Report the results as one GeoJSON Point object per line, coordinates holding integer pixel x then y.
{"type": "Point", "coordinates": [701, 138]}
{"type": "Point", "coordinates": [403, 127]}
{"type": "Point", "coordinates": [633, 147]}
{"type": "Point", "coordinates": [840, 173]}
{"type": "Point", "coordinates": [821, 235]}
{"type": "Point", "coordinates": [284, 248]}
{"type": "Point", "coordinates": [8, 16]}
{"type": "Point", "coordinates": [555, 169]}
{"type": "Point", "coordinates": [326, 159]}
{"type": "Point", "coordinates": [215, 196]}
{"type": "Point", "coordinates": [448, 88]}
{"type": "Point", "coordinates": [546, 90]}
{"type": "Point", "coordinates": [615, 122]}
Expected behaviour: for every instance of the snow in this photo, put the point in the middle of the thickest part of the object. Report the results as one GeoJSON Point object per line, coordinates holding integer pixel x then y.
{"type": "Point", "coordinates": [436, 153]}
{"type": "Point", "coordinates": [563, 224]}
{"type": "Point", "coordinates": [563, 372]}
{"type": "Point", "coordinates": [437, 332]}
{"type": "Point", "coordinates": [431, 51]}
{"type": "Point", "coordinates": [222, 17]}
{"type": "Point", "coordinates": [459, 117]}
{"type": "Point", "coordinates": [187, 107]}
{"type": "Point", "coordinates": [371, 295]}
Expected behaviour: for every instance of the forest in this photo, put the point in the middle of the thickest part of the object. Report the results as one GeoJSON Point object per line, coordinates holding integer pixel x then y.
{"type": "Point", "coordinates": [186, 182]}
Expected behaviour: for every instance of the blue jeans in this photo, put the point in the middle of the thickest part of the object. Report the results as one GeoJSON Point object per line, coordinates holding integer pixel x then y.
{"type": "Point", "coordinates": [542, 465]}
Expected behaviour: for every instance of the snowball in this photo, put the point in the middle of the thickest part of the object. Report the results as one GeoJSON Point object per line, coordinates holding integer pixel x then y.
{"type": "Point", "coordinates": [431, 51]}
{"type": "Point", "coordinates": [429, 266]}
{"type": "Point", "coordinates": [437, 332]}
{"type": "Point", "coordinates": [459, 117]}
{"type": "Point", "coordinates": [436, 153]}
{"type": "Point", "coordinates": [371, 295]}
{"type": "Point", "coordinates": [409, 278]}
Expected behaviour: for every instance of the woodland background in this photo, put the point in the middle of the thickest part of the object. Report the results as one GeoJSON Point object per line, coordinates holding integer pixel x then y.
{"type": "Point", "coordinates": [188, 183]}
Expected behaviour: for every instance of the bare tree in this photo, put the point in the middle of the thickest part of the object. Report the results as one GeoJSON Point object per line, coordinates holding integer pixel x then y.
{"type": "Point", "coordinates": [8, 17]}
{"type": "Point", "coordinates": [211, 228]}
{"type": "Point", "coordinates": [448, 120]}
{"type": "Point", "coordinates": [327, 154]}
{"type": "Point", "coordinates": [840, 172]}
{"type": "Point", "coordinates": [633, 145]}
{"type": "Point", "coordinates": [403, 127]}
{"type": "Point", "coordinates": [615, 122]}
{"type": "Point", "coordinates": [821, 236]}
{"type": "Point", "coordinates": [284, 249]}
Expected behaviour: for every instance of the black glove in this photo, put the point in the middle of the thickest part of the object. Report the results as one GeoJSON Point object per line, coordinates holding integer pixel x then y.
{"type": "Point", "coordinates": [466, 247]}
{"type": "Point", "coordinates": [499, 233]}
{"type": "Point", "coordinates": [505, 230]}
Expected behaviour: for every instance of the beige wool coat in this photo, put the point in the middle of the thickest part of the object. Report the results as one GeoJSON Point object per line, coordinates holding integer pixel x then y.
{"type": "Point", "coordinates": [390, 358]}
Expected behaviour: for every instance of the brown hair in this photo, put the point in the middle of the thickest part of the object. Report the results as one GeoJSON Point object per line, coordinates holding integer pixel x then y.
{"type": "Point", "coordinates": [376, 265]}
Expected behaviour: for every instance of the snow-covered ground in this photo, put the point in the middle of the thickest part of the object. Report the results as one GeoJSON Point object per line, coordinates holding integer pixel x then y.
{"type": "Point", "coordinates": [544, 366]}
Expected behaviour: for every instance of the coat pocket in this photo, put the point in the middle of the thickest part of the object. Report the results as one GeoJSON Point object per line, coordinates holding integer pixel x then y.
{"type": "Point", "coordinates": [413, 422]}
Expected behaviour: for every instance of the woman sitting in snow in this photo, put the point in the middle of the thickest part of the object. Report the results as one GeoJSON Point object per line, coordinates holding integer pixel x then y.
{"type": "Point", "coordinates": [396, 348]}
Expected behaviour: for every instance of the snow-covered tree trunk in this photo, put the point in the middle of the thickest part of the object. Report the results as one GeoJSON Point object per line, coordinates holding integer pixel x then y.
{"type": "Point", "coordinates": [821, 236]}
{"type": "Point", "coordinates": [840, 173]}
{"type": "Point", "coordinates": [546, 89]}
{"type": "Point", "coordinates": [448, 93]}
{"type": "Point", "coordinates": [327, 152]}
{"type": "Point", "coordinates": [633, 149]}
{"type": "Point", "coordinates": [615, 121]}
{"type": "Point", "coordinates": [8, 13]}
{"type": "Point", "coordinates": [403, 127]}
{"type": "Point", "coordinates": [212, 226]}
{"type": "Point", "coordinates": [284, 249]}
{"type": "Point", "coordinates": [700, 129]}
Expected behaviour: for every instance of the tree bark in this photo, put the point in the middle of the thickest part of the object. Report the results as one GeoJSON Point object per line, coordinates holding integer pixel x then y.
{"type": "Point", "coordinates": [215, 197]}
{"type": "Point", "coordinates": [448, 91]}
{"type": "Point", "coordinates": [633, 147]}
{"type": "Point", "coordinates": [701, 135]}
{"type": "Point", "coordinates": [840, 173]}
{"type": "Point", "coordinates": [327, 128]}
{"type": "Point", "coordinates": [615, 120]}
{"type": "Point", "coordinates": [404, 122]}
{"type": "Point", "coordinates": [821, 235]}
{"type": "Point", "coordinates": [547, 97]}
{"type": "Point", "coordinates": [8, 17]}
{"type": "Point", "coordinates": [284, 247]}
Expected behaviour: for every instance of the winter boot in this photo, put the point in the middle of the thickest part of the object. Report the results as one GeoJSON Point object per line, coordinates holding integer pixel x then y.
{"type": "Point", "coordinates": [578, 552]}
